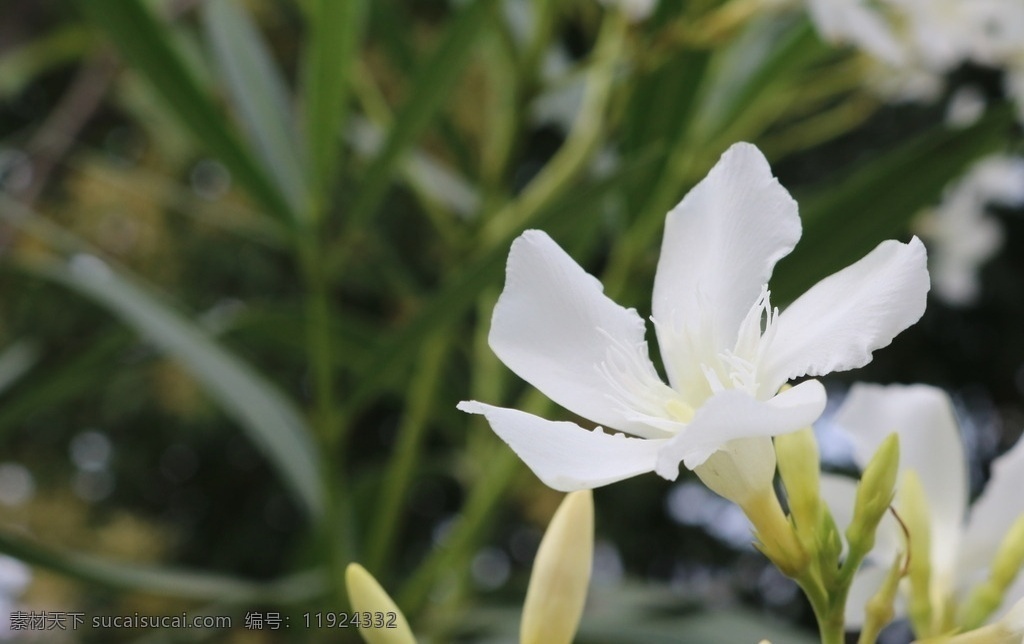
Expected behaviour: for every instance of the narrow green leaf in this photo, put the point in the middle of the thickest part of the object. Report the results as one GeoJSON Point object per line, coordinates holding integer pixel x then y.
{"type": "Point", "coordinates": [431, 87]}
{"type": "Point", "coordinates": [334, 33]}
{"type": "Point", "coordinates": [132, 577]}
{"type": "Point", "coordinates": [767, 52]}
{"type": "Point", "coordinates": [146, 44]}
{"type": "Point", "coordinates": [260, 96]}
{"type": "Point", "coordinates": [269, 418]}
{"type": "Point", "coordinates": [22, 64]}
{"type": "Point", "coordinates": [55, 387]}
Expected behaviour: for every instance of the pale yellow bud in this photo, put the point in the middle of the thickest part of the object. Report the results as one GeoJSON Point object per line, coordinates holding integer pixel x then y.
{"type": "Point", "coordinates": [987, 597]}
{"type": "Point", "coordinates": [913, 510]}
{"type": "Point", "coordinates": [799, 467]}
{"type": "Point", "coordinates": [561, 574]}
{"type": "Point", "coordinates": [369, 600]}
{"type": "Point", "coordinates": [1008, 630]}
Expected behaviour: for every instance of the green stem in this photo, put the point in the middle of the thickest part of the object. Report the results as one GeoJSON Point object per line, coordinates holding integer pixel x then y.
{"type": "Point", "coordinates": [480, 508]}
{"type": "Point", "coordinates": [422, 394]}
{"type": "Point", "coordinates": [334, 537]}
{"type": "Point", "coordinates": [583, 141]}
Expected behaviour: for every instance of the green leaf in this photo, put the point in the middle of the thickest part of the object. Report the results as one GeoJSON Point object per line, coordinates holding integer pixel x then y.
{"type": "Point", "coordinates": [52, 388]}
{"type": "Point", "coordinates": [133, 577]}
{"type": "Point", "coordinates": [769, 51]}
{"type": "Point", "coordinates": [844, 220]}
{"type": "Point", "coordinates": [272, 423]}
{"type": "Point", "coordinates": [147, 45]}
{"type": "Point", "coordinates": [260, 96]}
{"type": "Point", "coordinates": [334, 33]}
{"type": "Point", "coordinates": [432, 85]}
{"type": "Point", "coordinates": [22, 64]}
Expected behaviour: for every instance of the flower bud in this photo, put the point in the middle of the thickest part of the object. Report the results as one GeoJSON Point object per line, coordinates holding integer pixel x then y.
{"type": "Point", "coordinates": [874, 495]}
{"type": "Point", "coordinates": [1008, 630]}
{"type": "Point", "coordinates": [561, 574]}
{"type": "Point", "coordinates": [799, 467]}
{"type": "Point", "coordinates": [879, 610]}
{"type": "Point", "coordinates": [1006, 564]}
{"type": "Point", "coordinates": [367, 596]}
{"type": "Point", "coordinates": [829, 544]}
{"type": "Point", "coordinates": [913, 509]}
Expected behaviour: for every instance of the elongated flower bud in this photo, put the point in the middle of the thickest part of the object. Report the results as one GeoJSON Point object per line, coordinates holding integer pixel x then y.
{"type": "Point", "coordinates": [799, 467]}
{"type": "Point", "coordinates": [368, 598]}
{"type": "Point", "coordinates": [561, 574]}
{"type": "Point", "coordinates": [1008, 630]}
{"type": "Point", "coordinates": [987, 597]}
{"type": "Point", "coordinates": [913, 505]}
{"type": "Point", "coordinates": [874, 495]}
{"type": "Point", "coordinates": [879, 610]}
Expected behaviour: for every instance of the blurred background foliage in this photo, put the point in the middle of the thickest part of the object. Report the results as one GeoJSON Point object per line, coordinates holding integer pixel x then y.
{"type": "Point", "coordinates": [250, 248]}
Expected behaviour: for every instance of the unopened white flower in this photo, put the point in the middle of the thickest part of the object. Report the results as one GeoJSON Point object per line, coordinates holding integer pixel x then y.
{"type": "Point", "coordinates": [561, 574]}
{"type": "Point", "coordinates": [727, 351]}
{"type": "Point", "coordinates": [962, 543]}
{"type": "Point", "coordinates": [961, 234]}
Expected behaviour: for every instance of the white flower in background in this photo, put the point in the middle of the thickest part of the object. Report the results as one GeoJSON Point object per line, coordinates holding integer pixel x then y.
{"type": "Point", "coordinates": [966, 106]}
{"type": "Point", "coordinates": [858, 23]}
{"type": "Point", "coordinates": [921, 40]}
{"type": "Point", "coordinates": [14, 579]}
{"type": "Point", "coordinates": [960, 233]}
{"type": "Point", "coordinates": [962, 543]}
{"type": "Point", "coordinates": [726, 350]}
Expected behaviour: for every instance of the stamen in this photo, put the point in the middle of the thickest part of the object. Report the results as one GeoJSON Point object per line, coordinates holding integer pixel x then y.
{"type": "Point", "coordinates": [636, 387]}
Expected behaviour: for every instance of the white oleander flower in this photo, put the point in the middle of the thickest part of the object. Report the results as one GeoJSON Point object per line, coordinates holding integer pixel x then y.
{"type": "Point", "coordinates": [922, 40]}
{"type": "Point", "coordinates": [962, 542]}
{"type": "Point", "coordinates": [960, 233]}
{"type": "Point", "coordinates": [858, 23]}
{"type": "Point", "coordinates": [727, 352]}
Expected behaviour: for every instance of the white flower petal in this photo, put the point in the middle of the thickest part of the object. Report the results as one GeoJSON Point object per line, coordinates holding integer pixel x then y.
{"type": "Point", "coordinates": [843, 318]}
{"type": "Point", "coordinates": [554, 327]}
{"type": "Point", "coordinates": [996, 509]}
{"type": "Point", "coordinates": [734, 414]}
{"type": "Point", "coordinates": [929, 444]}
{"type": "Point", "coordinates": [564, 455]}
{"type": "Point", "coordinates": [720, 246]}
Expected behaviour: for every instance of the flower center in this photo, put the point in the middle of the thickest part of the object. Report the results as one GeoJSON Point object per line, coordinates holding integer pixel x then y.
{"type": "Point", "coordinates": [737, 368]}
{"type": "Point", "coordinates": [679, 410]}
